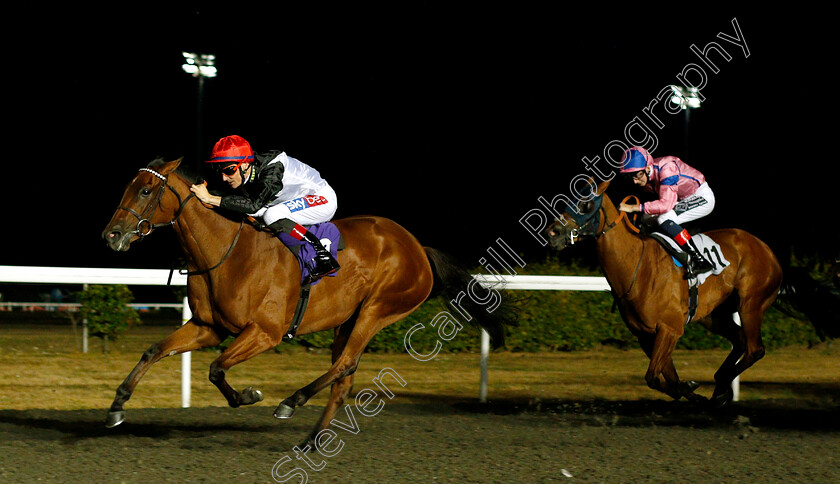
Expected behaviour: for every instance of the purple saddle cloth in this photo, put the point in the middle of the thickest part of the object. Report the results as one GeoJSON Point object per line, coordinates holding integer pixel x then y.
{"type": "Point", "coordinates": [330, 238]}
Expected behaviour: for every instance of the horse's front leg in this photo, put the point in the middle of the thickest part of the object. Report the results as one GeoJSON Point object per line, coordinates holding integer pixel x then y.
{"type": "Point", "coordinates": [661, 374]}
{"type": "Point", "coordinates": [188, 337]}
{"type": "Point", "coordinates": [250, 342]}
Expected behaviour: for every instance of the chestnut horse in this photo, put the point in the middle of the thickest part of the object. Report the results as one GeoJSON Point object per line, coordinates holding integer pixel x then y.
{"type": "Point", "coordinates": [653, 296]}
{"type": "Point", "coordinates": [385, 275]}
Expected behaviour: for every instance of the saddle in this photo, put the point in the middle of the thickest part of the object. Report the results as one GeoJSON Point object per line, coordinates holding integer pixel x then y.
{"type": "Point", "coordinates": [704, 244]}
{"type": "Point", "coordinates": [327, 233]}
{"type": "Point", "coordinates": [330, 238]}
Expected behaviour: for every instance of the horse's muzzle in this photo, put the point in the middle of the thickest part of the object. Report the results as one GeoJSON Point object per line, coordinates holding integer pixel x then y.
{"type": "Point", "coordinates": [557, 236]}
{"type": "Point", "coordinates": [117, 238]}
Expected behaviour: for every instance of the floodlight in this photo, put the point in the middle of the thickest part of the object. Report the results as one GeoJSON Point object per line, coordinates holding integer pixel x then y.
{"type": "Point", "coordinates": [686, 97]}
{"type": "Point", "coordinates": [199, 65]}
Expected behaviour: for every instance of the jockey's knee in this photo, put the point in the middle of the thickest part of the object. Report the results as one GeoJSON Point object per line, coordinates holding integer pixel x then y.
{"type": "Point", "coordinates": [669, 216]}
{"type": "Point", "coordinates": [284, 225]}
{"type": "Point", "coordinates": [279, 213]}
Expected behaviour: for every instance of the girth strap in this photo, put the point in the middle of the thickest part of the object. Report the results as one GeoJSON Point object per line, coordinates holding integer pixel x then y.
{"type": "Point", "coordinates": [692, 300]}
{"type": "Point", "coordinates": [300, 310]}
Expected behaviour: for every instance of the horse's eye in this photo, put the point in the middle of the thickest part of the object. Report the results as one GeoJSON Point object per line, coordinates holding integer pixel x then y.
{"type": "Point", "coordinates": [146, 191]}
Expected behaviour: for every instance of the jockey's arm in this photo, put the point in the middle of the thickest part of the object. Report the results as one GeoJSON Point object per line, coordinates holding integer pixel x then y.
{"type": "Point", "coordinates": [266, 188]}
{"type": "Point", "coordinates": [668, 178]}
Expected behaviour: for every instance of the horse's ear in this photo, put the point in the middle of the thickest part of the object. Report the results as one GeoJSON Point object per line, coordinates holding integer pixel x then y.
{"type": "Point", "coordinates": [170, 166]}
{"type": "Point", "coordinates": [602, 187]}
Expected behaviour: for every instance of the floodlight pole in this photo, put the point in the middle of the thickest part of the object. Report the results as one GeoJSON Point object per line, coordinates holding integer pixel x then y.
{"type": "Point", "coordinates": [685, 133]}
{"type": "Point", "coordinates": [688, 98]}
{"type": "Point", "coordinates": [200, 66]}
{"type": "Point", "coordinates": [200, 117]}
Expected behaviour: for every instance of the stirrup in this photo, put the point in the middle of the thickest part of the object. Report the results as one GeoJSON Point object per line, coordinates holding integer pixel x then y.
{"type": "Point", "coordinates": [691, 270]}
{"type": "Point", "coordinates": [323, 267]}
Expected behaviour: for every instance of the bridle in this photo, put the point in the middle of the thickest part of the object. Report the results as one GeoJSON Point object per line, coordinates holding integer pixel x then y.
{"type": "Point", "coordinates": [601, 225]}
{"type": "Point", "coordinates": [144, 225]}
{"type": "Point", "coordinates": [597, 224]}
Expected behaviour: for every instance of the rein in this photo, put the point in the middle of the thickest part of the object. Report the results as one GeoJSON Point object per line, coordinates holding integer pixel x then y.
{"type": "Point", "coordinates": [185, 272]}
{"type": "Point", "coordinates": [622, 216]}
{"type": "Point", "coordinates": [144, 219]}
{"type": "Point", "coordinates": [606, 227]}
{"type": "Point", "coordinates": [627, 222]}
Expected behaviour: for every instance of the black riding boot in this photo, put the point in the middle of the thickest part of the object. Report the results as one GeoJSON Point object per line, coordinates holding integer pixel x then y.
{"type": "Point", "coordinates": [325, 264]}
{"type": "Point", "coordinates": [697, 264]}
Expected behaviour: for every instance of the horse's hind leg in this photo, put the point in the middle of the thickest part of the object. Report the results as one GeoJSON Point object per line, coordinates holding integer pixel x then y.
{"type": "Point", "coordinates": [751, 347]}
{"type": "Point", "coordinates": [188, 337]}
{"type": "Point", "coordinates": [723, 324]}
{"type": "Point", "coordinates": [340, 389]}
{"type": "Point", "coordinates": [249, 343]}
{"type": "Point", "coordinates": [369, 322]}
{"type": "Point", "coordinates": [343, 366]}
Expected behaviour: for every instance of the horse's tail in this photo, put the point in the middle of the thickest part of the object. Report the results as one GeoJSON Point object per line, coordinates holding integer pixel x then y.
{"type": "Point", "coordinates": [804, 298]}
{"type": "Point", "coordinates": [454, 282]}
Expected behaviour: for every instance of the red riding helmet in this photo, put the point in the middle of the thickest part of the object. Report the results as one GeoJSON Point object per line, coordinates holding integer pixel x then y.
{"type": "Point", "coordinates": [231, 149]}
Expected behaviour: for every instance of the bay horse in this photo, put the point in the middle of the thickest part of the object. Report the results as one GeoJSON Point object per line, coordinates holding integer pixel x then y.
{"type": "Point", "coordinates": [652, 295]}
{"type": "Point", "coordinates": [253, 293]}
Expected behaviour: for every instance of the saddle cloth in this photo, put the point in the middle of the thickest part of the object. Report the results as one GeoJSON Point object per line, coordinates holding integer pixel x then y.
{"type": "Point", "coordinates": [708, 247]}
{"type": "Point", "coordinates": [330, 238]}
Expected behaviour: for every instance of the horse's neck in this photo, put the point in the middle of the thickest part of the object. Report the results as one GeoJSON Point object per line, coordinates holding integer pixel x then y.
{"type": "Point", "coordinates": [204, 235]}
{"type": "Point", "coordinates": [619, 250]}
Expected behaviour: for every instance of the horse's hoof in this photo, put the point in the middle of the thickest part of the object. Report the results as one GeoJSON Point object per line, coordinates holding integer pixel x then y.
{"type": "Point", "coordinates": [307, 444]}
{"type": "Point", "coordinates": [722, 399]}
{"type": "Point", "coordinates": [283, 411]}
{"type": "Point", "coordinates": [690, 386]}
{"type": "Point", "coordinates": [250, 396]}
{"type": "Point", "coordinates": [115, 418]}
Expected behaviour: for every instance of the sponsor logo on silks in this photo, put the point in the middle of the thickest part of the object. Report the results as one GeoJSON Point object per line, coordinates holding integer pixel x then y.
{"type": "Point", "coordinates": [305, 202]}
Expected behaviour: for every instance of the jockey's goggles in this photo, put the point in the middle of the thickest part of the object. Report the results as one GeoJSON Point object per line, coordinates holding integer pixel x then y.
{"type": "Point", "coordinates": [230, 170]}
{"type": "Point", "coordinates": [635, 174]}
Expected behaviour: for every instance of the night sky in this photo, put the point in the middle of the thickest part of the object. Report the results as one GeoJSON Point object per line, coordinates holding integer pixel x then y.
{"type": "Point", "coordinates": [451, 122]}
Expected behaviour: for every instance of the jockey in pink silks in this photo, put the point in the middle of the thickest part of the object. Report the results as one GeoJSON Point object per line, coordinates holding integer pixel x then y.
{"type": "Point", "coordinates": [683, 193]}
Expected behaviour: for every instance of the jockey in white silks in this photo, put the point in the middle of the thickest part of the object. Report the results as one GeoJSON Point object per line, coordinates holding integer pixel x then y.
{"type": "Point", "coordinates": [285, 192]}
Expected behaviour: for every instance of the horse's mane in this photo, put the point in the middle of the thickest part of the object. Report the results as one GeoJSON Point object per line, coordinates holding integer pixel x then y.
{"type": "Point", "coordinates": [183, 170]}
